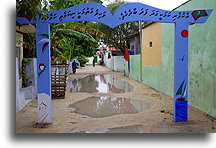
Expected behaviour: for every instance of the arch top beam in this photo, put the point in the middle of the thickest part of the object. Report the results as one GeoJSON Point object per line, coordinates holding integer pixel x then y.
{"type": "Point", "coordinates": [126, 13]}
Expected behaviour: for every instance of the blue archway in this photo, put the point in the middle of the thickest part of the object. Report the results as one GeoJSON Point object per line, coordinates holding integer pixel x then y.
{"type": "Point", "coordinates": [126, 13]}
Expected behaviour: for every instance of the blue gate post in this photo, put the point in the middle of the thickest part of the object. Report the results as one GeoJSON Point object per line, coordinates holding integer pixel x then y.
{"type": "Point", "coordinates": [44, 73]}
{"type": "Point", "coordinates": [181, 72]}
{"type": "Point", "coordinates": [126, 13]}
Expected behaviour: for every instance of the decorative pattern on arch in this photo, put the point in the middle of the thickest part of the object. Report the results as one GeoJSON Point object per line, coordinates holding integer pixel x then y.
{"type": "Point", "coordinates": [126, 13]}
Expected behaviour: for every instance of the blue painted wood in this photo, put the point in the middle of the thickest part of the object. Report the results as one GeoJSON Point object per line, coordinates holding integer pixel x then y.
{"type": "Point", "coordinates": [181, 72]}
{"type": "Point", "coordinates": [44, 73]}
{"type": "Point", "coordinates": [126, 13]}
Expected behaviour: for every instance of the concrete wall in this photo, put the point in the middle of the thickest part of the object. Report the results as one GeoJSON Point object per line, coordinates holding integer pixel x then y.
{"type": "Point", "coordinates": [133, 70]}
{"type": "Point", "coordinates": [161, 77]}
{"type": "Point", "coordinates": [151, 45]}
{"type": "Point", "coordinates": [202, 60]}
{"type": "Point", "coordinates": [115, 63]}
{"type": "Point", "coordinates": [17, 85]}
{"type": "Point", "coordinates": [31, 70]}
{"type": "Point", "coordinates": [126, 69]}
{"type": "Point", "coordinates": [135, 67]}
{"type": "Point", "coordinates": [70, 67]}
{"type": "Point", "coordinates": [25, 95]}
{"type": "Point", "coordinates": [108, 62]}
{"type": "Point", "coordinates": [19, 37]}
{"type": "Point", "coordinates": [135, 41]}
{"type": "Point", "coordinates": [118, 63]}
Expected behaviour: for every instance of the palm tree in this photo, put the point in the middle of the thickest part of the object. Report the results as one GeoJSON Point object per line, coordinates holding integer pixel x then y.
{"type": "Point", "coordinates": [63, 32]}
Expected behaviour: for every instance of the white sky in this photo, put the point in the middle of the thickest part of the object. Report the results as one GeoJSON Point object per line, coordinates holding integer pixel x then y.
{"type": "Point", "coordinates": [162, 4]}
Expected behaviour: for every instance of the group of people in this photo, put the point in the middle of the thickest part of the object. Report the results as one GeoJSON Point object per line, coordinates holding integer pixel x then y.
{"type": "Point", "coordinates": [75, 64]}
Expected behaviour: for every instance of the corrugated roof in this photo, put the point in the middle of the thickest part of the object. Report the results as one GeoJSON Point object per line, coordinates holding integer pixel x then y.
{"type": "Point", "coordinates": [26, 28]}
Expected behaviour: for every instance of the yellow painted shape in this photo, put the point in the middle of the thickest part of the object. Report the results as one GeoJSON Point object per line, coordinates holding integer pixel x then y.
{"type": "Point", "coordinates": [151, 55]}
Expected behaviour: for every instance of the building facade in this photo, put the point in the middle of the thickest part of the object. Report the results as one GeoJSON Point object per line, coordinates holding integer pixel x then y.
{"type": "Point", "coordinates": [158, 58]}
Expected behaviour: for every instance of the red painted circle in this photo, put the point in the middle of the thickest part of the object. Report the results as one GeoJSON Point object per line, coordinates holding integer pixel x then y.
{"type": "Point", "coordinates": [184, 33]}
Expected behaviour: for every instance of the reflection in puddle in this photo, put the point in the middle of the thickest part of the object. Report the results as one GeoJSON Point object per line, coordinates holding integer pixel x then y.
{"type": "Point", "coordinates": [98, 107]}
{"type": "Point", "coordinates": [98, 83]}
{"type": "Point", "coordinates": [143, 129]}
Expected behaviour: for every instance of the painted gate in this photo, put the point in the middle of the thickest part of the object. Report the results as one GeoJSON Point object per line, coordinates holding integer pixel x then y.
{"type": "Point", "coordinates": [126, 13]}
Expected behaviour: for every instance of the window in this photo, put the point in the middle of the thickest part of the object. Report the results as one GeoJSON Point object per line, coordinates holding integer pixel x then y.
{"type": "Point", "coordinates": [150, 44]}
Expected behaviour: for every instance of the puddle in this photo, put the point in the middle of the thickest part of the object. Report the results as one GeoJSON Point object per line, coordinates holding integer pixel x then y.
{"type": "Point", "coordinates": [98, 107]}
{"type": "Point", "coordinates": [143, 129]}
{"type": "Point", "coordinates": [99, 83]}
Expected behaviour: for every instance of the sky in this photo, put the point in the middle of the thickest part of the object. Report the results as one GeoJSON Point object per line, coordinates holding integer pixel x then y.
{"type": "Point", "coordinates": [162, 4]}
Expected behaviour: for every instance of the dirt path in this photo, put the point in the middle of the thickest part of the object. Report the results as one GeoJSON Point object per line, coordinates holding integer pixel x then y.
{"type": "Point", "coordinates": [157, 119]}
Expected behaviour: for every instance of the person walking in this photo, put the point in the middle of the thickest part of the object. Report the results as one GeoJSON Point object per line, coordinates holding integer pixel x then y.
{"type": "Point", "coordinates": [94, 60]}
{"type": "Point", "coordinates": [74, 66]}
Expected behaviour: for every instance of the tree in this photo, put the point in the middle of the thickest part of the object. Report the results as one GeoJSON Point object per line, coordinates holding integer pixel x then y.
{"type": "Point", "coordinates": [29, 45]}
{"type": "Point", "coordinates": [116, 36]}
{"type": "Point", "coordinates": [31, 7]}
{"type": "Point", "coordinates": [69, 40]}
{"type": "Point", "coordinates": [71, 43]}
{"type": "Point", "coordinates": [66, 38]}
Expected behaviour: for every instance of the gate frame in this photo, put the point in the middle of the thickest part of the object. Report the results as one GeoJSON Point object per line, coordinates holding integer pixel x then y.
{"type": "Point", "coordinates": [125, 13]}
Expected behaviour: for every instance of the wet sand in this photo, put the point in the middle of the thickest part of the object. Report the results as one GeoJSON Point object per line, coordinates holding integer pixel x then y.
{"type": "Point", "coordinates": [157, 119]}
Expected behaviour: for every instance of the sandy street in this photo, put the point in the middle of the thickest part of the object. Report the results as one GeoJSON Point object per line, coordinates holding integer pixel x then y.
{"type": "Point", "coordinates": [157, 117]}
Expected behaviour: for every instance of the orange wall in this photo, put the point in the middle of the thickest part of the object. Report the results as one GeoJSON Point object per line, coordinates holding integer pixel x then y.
{"type": "Point", "coordinates": [151, 55]}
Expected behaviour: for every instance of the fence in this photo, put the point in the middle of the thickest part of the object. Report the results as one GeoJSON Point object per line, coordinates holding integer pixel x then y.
{"type": "Point", "coordinates": [59, 80]}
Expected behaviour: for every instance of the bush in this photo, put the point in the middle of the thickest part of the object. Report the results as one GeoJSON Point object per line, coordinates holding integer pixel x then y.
{"type": "Point", "coordinates": [83, 60]}
{"type": "Point", "coordinates": [26, 81]}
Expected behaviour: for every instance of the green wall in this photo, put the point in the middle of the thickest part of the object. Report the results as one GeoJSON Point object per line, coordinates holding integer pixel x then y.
{"type": "Point", "coordinates": [135, 67]}
{"type": "Point", "coordinates": [202, 60]}
{"type": "Point", "coordinates": [161, 78]}
{"type": "Point", "coordinates": [126, 72]}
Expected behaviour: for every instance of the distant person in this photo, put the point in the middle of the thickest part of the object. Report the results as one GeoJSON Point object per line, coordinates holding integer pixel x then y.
{"type": "Point", "coordinates": [74, 66]}
{"type": "Point", "coordinates": [94, 61]}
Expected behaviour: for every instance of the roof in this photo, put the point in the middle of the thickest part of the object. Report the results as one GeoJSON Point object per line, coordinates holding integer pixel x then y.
{"type": "Point", "coordinates": [26, 29]}
{"type": "Point", "coordinates": [131, 36]}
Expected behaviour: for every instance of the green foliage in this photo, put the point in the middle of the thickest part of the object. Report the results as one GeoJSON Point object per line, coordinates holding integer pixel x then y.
{"type": "Point", "coordinates": [83, 27]}
{"type": "Point", "coordinates": [31, 6]}
{"type": "Point", "coordinates": [83, 60]}
{"type": "Point", "coordinates": [76, 34]}
{"type": "Point", "coordinates": [69, 40]}
{"type": "Point", "coordinates": [116, 36]}
{"type": "Point", "coordinates": [26, 81]}
{"type": "Point", "coordinates": [29, 45]}
{"type": "Point", "coordinates": [62, 4]}
{"type": "Point", "coordinates": [71, 43]}
{"type": "Point", "coordinates": [19, 42]}
{"type": "Point", "coordinates": [115, 5]}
